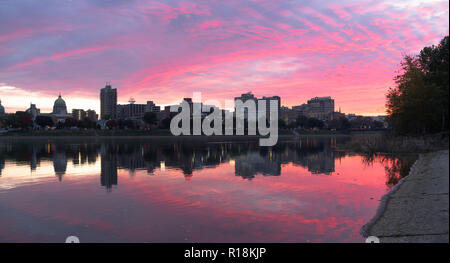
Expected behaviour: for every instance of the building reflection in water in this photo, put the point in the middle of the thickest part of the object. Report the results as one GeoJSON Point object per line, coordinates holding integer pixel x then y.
{"type": "Point", "coordinates": [317, 154]}
{"type": "Point", "coordinates": [108, 172]}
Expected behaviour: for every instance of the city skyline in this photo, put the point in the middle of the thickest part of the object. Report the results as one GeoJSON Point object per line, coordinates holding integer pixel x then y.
{"type": "Point", "coordinates": [166, 51]}
{"type": "Point", "coordinates": [60, 107]}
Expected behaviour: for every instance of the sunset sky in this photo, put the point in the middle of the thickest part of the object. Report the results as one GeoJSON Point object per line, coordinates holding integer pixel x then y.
{"type": "Point", "coordinates": [165, 50]}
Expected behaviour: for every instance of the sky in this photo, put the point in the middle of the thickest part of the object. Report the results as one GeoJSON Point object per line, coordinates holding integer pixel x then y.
{"type": "Point", "coordinates": [166, 50]}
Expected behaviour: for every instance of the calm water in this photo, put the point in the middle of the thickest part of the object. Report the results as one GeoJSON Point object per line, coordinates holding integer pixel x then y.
{"type": "Point", "coordinates": [175, 191]}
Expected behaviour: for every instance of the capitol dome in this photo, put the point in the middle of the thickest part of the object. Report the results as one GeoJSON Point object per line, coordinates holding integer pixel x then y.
{"type": "Point", "coordinates": [60, 106]}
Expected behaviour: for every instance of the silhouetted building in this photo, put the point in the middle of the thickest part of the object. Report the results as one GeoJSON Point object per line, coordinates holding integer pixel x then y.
{"type": "Point", "coordinates": [151, 107]}
{"type": "Point", "coordinates": [58, 115]}
{"type": "Point", "coordinates": [267, 102]}
{"type": "Point", "coordinates": [108, 102]}
{"type": "Point", "coordinates": [2, 109]}
{"type": "Point", "coordinates": [130, 111]}
{"type": "Point", "coordinates": [321, 108]}
{"type": "Point", "coordinates": [287, 115]}
{"type": "Point", "coordinates": [249, 96]}
{"type": "Point", "coordinates": [78, 114]}
{"type": "Point", "coordinates": [59, 107]}
{"type": "Point", "coordinates": [33, 111]}
{"type": "Point", "coordinates": [92, 115]}
{"type": "Point", "coordinates": [244, 98]}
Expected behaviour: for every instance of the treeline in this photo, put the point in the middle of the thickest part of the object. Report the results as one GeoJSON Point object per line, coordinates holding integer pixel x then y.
{"type": "Point", "coordinates": [23, 120]}
{"type": "Point", "coordinates": [339, 124]}
{"type": "Point", "coordinates": [419, 102]}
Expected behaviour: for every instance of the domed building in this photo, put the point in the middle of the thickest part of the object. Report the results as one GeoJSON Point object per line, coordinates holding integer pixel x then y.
{"type": "Point", "coordinates": [59, 113]}
{"type": "Point", "coordinates": [59, 107]}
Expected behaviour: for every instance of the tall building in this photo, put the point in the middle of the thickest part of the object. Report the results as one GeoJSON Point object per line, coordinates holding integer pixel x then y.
{"type": "Point", "coordinates": [249, 96]}
{"type": "Point", "coordinates": [2, 109]}
{"type": "Point", "coordinates": [151, 107]}
{"type": "Point", "coordinates": [108, 102]}
{"type": "Point", "coordinates": [321, 108]}
{"type": "Point", "coordinates": [91, 114]}
{"type": "Point", "coordinates": [78, 114]}
{"type": "Point", "coordinates": [244, 98]}
{"type": "Point", "coordinates": [268, 109]}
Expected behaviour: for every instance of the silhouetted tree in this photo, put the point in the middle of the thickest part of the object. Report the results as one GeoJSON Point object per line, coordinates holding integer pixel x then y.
{"type": "Point", "coordinates": [111, 124]}
{"type": "Point", "coordinates": [281, 123]}
{"type": "Point", "coordinates": [340, 123]}
{"type": "Point", "coordinates": [70, 122]}
{"type": "Point", "coordinates": [44, 121]}
{"type": "Point", "coordinates": [149, 118]}
{"type": "Point", "coordinates": [23, 120]}
{"type": "Point", "coordinates": [165, 123]}
{"type": "Point", "coordinates": [302, 121]}
{"type": "Point", "coordinates": [314, 123]}
{"type": "Point", "coordinates": [87, 123]}
{"type": "Point", "coordinates": [418, 104]}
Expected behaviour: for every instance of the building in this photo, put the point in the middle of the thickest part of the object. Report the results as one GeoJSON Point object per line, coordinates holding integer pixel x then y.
{"type": "Point", "coordinates": [33, 111]}
{"type": "Point", "coordinates": [59, 107]}
{"type": "Point", "coordinates": [78, 114]}
{"type": "Point", "coordinates": [151, 107]}
{"type": "Point", "coordinates": [59, 113]}
{"type": "Point", "coordinates": [267, 102]}
{"type": "Point", "coordinates": [92, 115]}
{"type": "Point", "coordinates": [321, 108]}
{"type": "Point", "coordinates": [2, 109]}
{"type": "Point", "coordinates": [287, 115]}
{"type": "Point", "coordinates": [108, 102]}
{"type": "Point", "coordinates": [131, 111]}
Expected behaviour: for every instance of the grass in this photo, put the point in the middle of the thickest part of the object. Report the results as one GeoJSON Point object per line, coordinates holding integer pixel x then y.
{"type": "Point", "coordinates": [155, 132]}
{"type": "Point", "coordinates": [390, 144]}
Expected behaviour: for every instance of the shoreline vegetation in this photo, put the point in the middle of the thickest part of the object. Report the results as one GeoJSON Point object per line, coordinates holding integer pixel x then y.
{"type": "Point", "coordinates": [387, 143]}
{"type": "Point", "coordinates": [361, 142]}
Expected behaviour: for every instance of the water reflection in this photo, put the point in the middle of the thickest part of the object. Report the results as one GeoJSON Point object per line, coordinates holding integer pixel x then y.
{"type": "Point", "coordinates": [396, 167]}
{"type": "Point", "coordinates": [316, 154]}
{"type": "Point", "coordinates": [249, 159]}
{"type": "Point", "coordinates": [189, 191]}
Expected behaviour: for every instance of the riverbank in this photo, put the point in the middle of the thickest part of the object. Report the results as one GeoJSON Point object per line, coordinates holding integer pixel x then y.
{"type": "Point", "coordinates": [150, 134]}
{"type": "Point", "coordinates": [416, 209]}
{"type": "Point", "coordinates": [385, 143]}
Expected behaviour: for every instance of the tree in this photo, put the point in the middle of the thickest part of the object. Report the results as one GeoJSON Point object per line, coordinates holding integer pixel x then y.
{"type": "Point", "coordinates": [340, 123]}
{"type": "Point", "coordinates": [87, 123]}
{"type": "Point", "coordinates": [111, 124]}
{"type": "Point", "coordinates": [70, 122]}
{"type": "Point", "coordinates": [129, 124]}
{"type": "Point", "coordinates": [418, 104]}
{"type": "Point", "coordinates": [302, 121]}
{"type": "Point", "coordinates": [149, 118]}
{"type": "Point", "coordinates": [314, 123]}
{"type": "Point", "coordinates": [44, 121]}
{"type": "Point", "coordinates": [165, 123]}
{"type": "Point", "coordinates": [23, 120]}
